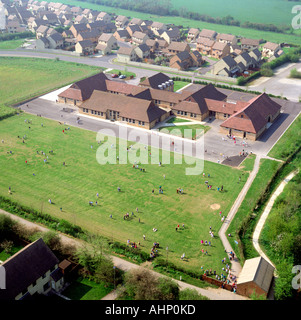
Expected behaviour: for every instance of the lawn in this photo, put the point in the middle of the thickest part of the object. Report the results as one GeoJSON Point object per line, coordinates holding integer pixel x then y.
{"type": "Point", "coordinates": [185, 130]}
{"type": "Point", "coordinates": [72, 186]}
{"type": "Point", "coordinates": [4, 255]}
{"type": "Point", "coordinates": [266, 171]}
{"type": "Point", "coordinates": [289, 142]}
{"type": "Point", "coordinates": [125, 72]}
{"type": "Point", "coordinates": [240, 6]}
{"type": "Point", "coordinates": [177, 120]}
{"type": "Point", "coordinates": [11, 44]}
{"type": "Point", "coordinates": [85, 289]}
{"type": "Point", "coordinates": [179, 85]}
{"type": "Point", "coordinates": [32, 76]}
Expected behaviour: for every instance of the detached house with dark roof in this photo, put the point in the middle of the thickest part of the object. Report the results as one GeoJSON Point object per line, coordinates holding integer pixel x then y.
{"type": "Point", "coordinates": [33, 270]}
{"type": "Point", "coordinates": [158, 81]}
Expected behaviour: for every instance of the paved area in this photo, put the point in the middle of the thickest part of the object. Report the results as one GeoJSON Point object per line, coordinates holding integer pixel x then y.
{"type": "Point", "coordinates": [235, 266]}
{"type": "Point", "coordinates": [265, 215]}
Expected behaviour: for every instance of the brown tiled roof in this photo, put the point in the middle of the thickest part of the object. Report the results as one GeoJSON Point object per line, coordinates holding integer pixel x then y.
{"type": "Point", "coordinates": [128, 107]}
{"type": "Point", "coordinates": [271, 46]}
{"type": "Point", "coordinates": [225, 36]}
{"type": "Point", "coordinates": [205, 41]}
{"type": "Point", "coordinates": [219, 46]}
{"type": "Point", "coordinates": [125, 50]}
{"type": "Point", "coordinates": [155, 80]}
{"type": "Point", "coordinates": [252, 42]}
{"type": "Point", "coordinates": [253, 117]}
{"type": "Point", "coordinates": [83, 89]}
{"type": "Point", "coordinates": [225, 107]}
{"type": "Point", "coordinates": [187, 106]}
{"type": "Point", "coordinates": [179, 46]}
{"type": "Point", "coordinates": [207, 33]}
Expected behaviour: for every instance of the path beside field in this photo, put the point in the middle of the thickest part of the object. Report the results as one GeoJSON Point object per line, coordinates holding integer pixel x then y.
{"type": "Point", "coordinates": [212, 294]}
{"type": "Point", "coordinates": [236, 267]}
{"type": "Point", "coordinates": [265, 214]}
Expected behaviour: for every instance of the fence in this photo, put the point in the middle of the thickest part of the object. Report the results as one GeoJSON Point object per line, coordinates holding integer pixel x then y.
{"type": "Point", "coordinates": [217, 282]}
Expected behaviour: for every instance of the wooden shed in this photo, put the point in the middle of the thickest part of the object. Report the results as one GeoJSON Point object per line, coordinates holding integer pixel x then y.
{"type": "Point", "coordinates": [256, 276]}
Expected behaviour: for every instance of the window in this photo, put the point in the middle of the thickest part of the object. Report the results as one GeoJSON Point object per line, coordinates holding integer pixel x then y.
{"type": "Point", "coordinates": [92, 111]}
{"type": "Point", "coordinates": [130, 120]}
{"type": "Point", "coordinates": [46, 286]}
{"type": "Point", "coordinates": [44, 276]}
{"type": "Point", "coordinates": [139, 123]}
{"type": "Point", "coordinates": [185, 113]}
{"type": "Point", "coordinates": [225, 115]}
{"type": "Point", "coordinates": [133, 121]}
{"type": "Point", "coordinates": [143, 123]}
{"type": "Point", "coordinates": [101, 113]}
{"type": "Point", "coordinates": [178, 112]}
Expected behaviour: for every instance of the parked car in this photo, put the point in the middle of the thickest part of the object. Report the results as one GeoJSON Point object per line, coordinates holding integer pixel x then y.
{"type": "Point", "coordinates": [114, 75]}
{"type": "Point", "coordinates": [122, 76]}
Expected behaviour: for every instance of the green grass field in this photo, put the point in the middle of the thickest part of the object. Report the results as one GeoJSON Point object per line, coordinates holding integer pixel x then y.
{"type": "Point", "coordinates": [268, 10]}
{"type": "Point", "coordinates": [11, 44]}
{"type": "Point", "coordinates": [71, 187]}
{"type": "Point", "coordinates": [180, 130]}
{"type": "Point", "coordinates": [22, 78]}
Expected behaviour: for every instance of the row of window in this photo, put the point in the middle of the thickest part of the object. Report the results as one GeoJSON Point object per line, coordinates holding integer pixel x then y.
{"type": "Point", "coordinates": [184, 113]}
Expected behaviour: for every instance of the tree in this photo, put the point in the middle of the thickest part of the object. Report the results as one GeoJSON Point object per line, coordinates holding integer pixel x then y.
{"type": "Point", "coordinates": [283, 283]}
{"type": "Point", "coordinates": [169, 289]}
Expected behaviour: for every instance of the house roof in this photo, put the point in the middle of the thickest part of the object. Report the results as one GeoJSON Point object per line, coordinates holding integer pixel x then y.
{"type": "Point", "coordinates": [194, 31]}
{"type": "Point", "coordinates": [121, 18]}
{"type": "Point", "coordinates": [143, 47]}
{"type": "Point", "coordinates": [128, 107]}
{"type": "Point", "coordinates": [219, 46]}
{"type": "Point", "coordinates": [271, 46]}
{"type": "Point", "coordinates": [25, 267]}
{"type": "Point", "coordinates": [155, 80]}
{"type": "Point", "coordinates": [226, 37]}
{"type": "Point", "coordinates": [125, 50]}
{"type": "Point", "coordinates": [178, 46]}
{"type": "Point", "coordinates": [207, 33]}
{"type": "Point", "coordinates": [139, 35]}
{"type": "Point", "coordinates": [205, 41]}
{"type": "Point", "coordinates": [83, 89]}
{"type": "Point", "coordinates": [257, 270]}
{"type": "Point", "coordinates": [56, 37]}
{"type": "Point", "coordinates": [123, 33]}
{"type": "Point", "coordinates": [254, 116]}
{"type": "Point", "coordinates": [106, 37]}
{"type": "Point", "coordinates": [251, 42]}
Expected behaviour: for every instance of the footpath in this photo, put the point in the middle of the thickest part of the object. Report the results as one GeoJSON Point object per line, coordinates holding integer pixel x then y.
{"type": "Point", "coordinates": [211, 293]}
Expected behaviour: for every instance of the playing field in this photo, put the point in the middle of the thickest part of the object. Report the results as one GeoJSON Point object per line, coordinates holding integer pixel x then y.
{"type": "Point", "coordinates": [72, 186]}
{"type": "Point", "coordinates": [22, 78]}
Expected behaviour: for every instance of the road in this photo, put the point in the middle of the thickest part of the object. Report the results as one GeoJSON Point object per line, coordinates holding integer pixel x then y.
{"type": "Point", "coordinates": [280, 83]}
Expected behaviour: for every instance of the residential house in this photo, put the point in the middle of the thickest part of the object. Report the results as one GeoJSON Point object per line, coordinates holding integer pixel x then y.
{"type": "Point", "coordinates": [91, 35]}
{"type": "Point", "coordinates": [78, 28]}
{"type": "Point", "coordinates": [31, 271]}
{"type": "Point", "coordinates": [50, 18]}
{"type": "Point", "coordinates": [126, 54]}
{"type": "Point", "coordinates": [106, 43]}
{"type": "Point", "coordinates": [220, 50]}
{"type": "Point", "coordinates": [269, 49]}
{"type": "Point", "coordinates": [142, 51]}
{"type": "Point", "coordinates": [171, 35]}
{"type": "Point", "coordinates": [204, 45]}
{"type": "Point", "coordinates": [42, 43]}
{"type": "Point", "coordinates": [156, 26]}
{"type": "Point", "coordinates": [247, 61]}
{"type": "Point", "coordinates": [139, 37]}
{"type": "Point", "coordinates": [76, 11]}
{"type": "Point", "coordinates": [181, 61]}
{"type": "Point", "coordinates": [131, 29]}
{"type": "Point", "coordinates": [122, 35]}
{"type": "Point", "coordinates": [249, 44]}
{"type": "Point", "coordinates": [192, 35]}
{"type": "Point", "coordinates": [56, 41]}
{"type": "Point", "coordinates": [136, 21]}
{"type": "Point", "coordinates": [196, 58]}
{"type": "Point", "coordinates": [105, 17]}
{"type": "Point", "coordinates": [121, 21]}
{"type": "Point", "coordinates": [80, 19]}
{"type": "Point", "coordinates": [227, 67]}
{"type": "Point", "coordinates": [65, 9]}
{"type": "Point", "coordinates": [93, 15]}
{"type": "Point", "coordinates": [41, 31]}
{"type": "Point", "coordinates": [14, 27]}
{"type": "Point", "coordinates": [256, 55]}
{"type": "Point", "coordinates": [177, 47]}
{"type": "Point", "coordinates": [86, 12]}
{"type": "Point", "coordinates": [227, 38]}
{"type": "Point", "coordinates": [67, 34]}
{"type": "Point", "coordinates": [85, 47]}
{"type": "Point", "coordinates": [210, 34]}
{"type": "Point", "coordinates": [50, 31]}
